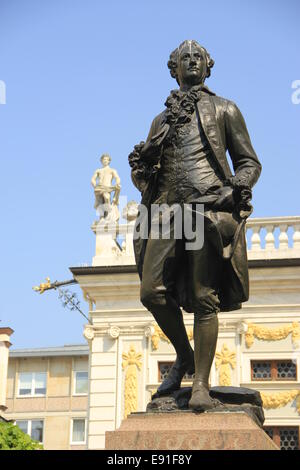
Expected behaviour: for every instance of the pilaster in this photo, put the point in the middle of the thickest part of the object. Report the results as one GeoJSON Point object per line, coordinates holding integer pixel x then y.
{"type": "Point", "coordinates": [5, 344]}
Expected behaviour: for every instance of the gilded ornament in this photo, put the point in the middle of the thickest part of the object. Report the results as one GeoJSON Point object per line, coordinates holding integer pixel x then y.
{"type": "Point", "coordinates": [280, 399]}
{"type": "Point", "coordinates": [225, 360]}
{"type": "Point", "coordinates": [190, 334]}
{"type": "Point", "coordinates": [43, 286]}
{"type": "Point", "coordinates": [159, 335]}
{"type": "Point", "coordinates": [131, 362]}
{"type": "Point", "coordinates": [272, 334]}
{"type": "Point", "coordinates": [296, 334]}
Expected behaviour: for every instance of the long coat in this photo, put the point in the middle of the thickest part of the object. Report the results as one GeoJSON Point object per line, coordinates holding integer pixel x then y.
{"type": "Point", "coordinates": [225, 129]}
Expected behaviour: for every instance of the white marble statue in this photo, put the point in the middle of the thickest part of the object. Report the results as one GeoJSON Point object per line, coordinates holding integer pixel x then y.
{"type": "Point", "coordinates": [102, 182]}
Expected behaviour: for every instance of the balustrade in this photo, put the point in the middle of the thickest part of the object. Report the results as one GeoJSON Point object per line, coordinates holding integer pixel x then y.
{"type": "Point", "coordinates": [273, 237]}
{"type": "Point", "coordinates": [267, 238]}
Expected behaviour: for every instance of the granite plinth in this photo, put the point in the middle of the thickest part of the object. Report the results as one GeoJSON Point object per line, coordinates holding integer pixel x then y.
{"type": "Point", "coordinates": [187, 430]}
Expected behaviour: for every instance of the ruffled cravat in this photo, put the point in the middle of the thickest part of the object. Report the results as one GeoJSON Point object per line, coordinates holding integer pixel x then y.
{"type": "Point", "coordinates": [180, 106]}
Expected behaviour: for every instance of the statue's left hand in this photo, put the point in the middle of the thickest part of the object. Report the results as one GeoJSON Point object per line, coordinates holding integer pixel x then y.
{"type": "Point", "coordinates": [226, 199]}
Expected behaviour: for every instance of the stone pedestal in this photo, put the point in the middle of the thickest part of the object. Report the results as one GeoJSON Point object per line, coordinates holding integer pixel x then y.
{"type": "Point", "coordinates": [108, 250]}
{"type": "Point", "coordinates": [186, 430]}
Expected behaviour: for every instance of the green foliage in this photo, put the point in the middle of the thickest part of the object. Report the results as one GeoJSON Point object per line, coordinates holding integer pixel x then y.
{"type": "Point", "coordinates": [12, 438]}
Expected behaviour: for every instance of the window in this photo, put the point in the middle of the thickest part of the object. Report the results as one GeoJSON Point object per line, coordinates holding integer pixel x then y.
{"type": "Point", "coordinates": [81, 383]}
{"type": "Point", "coordinates": [34, 428]}
{"type": "Point", "coordinates": [164, 369]}
{"type": "Point", "coordinates": [78, 431]}
{"type": "Point", "coordinates": [32, 383]}
{"type": "Point", "coordinates": [282, 369]}
{"type": "Point", "coordinates": [287, 438]}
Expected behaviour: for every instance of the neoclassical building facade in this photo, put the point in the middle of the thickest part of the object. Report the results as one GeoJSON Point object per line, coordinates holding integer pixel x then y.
{"type": "Point", "coordinates": [258, 346]}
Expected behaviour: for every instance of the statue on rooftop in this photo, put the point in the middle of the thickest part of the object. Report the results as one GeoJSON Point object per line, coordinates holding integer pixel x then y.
{"type": "Point", "coordinates": [102, 182]}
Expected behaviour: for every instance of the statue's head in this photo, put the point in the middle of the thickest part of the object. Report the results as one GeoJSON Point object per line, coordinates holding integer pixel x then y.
{"type": "Point", "coordinates": [190, 63]}
{"type": "Point", "coordinates": [105, 159]}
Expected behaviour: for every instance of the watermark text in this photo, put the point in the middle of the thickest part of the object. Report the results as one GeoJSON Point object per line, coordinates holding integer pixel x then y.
{"type": "Point", "coordinates": [296, 94]}
{"type": "Point", "coordinates": [2, 92]}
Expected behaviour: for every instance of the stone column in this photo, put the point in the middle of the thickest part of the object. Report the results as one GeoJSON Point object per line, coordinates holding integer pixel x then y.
{"type": "Point", "coordinates": [102, 383]}
{"type": "Point", "coordinates": [116, 377]}
{"type": "Point", "coordinates": [5, 343]}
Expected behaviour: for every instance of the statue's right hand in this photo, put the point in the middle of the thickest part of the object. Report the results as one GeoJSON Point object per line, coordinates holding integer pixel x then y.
{"type": "Point", "coordinates": [135, 156]}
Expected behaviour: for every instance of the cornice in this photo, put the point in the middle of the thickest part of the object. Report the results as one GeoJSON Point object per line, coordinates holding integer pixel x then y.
{"type": "Point", "coordinates": [126, 269]}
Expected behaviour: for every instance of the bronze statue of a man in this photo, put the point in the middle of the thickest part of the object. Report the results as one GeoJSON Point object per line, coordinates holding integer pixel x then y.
{"type": "Point", "coordinates": [184, 162]}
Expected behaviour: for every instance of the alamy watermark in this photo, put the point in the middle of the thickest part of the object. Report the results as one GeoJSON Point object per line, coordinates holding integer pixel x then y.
{"type": "Point", "coordinates": [296, 94]}
{"type": "Point", "coordinates": [176, 222]}
{"type": "Point", "coordinates": [159, 222]}
{"type": "Point", "coordinates": [2, 92]}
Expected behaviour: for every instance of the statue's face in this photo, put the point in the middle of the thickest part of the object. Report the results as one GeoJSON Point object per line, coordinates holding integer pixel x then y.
{"type": "Point", "coordinates": [105, 161]}
{"type": "Point", "coordinates": [191, 68]}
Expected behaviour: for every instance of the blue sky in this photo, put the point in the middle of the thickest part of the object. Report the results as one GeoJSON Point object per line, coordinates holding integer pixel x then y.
{"type": "Point", "coordinates": [87, 77]}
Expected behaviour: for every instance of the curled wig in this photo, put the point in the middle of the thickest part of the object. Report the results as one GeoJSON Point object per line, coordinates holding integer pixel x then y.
{"type": "Point", "coordinates": [174, 56]}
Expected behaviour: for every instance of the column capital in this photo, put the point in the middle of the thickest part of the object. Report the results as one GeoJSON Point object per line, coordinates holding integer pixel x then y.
{"type": "Point", "coordinates": [113, 332]}
{"type": "Point", "coordinates": [149, 330]}
{"type": "Point", "coordinates": [242, 327]}
{"type": "Point", "coordinates": [89, 333]}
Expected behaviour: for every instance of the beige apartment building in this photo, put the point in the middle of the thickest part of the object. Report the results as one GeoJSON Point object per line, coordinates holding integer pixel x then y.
{"type": "Point", "coordinates": [47, 394]}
